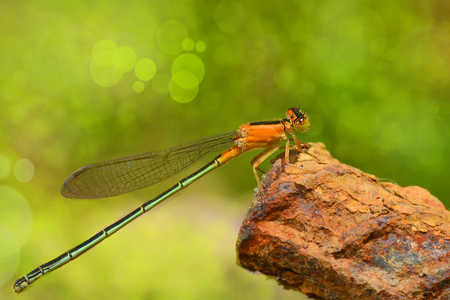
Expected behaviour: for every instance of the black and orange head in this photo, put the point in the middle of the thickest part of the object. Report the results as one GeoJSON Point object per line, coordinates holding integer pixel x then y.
{"type": "Point", "coordinates": [298, 119]}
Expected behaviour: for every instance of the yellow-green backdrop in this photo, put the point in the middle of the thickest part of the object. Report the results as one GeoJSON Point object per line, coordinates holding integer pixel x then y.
{"type": "Point", "coordinates": [86, 81]}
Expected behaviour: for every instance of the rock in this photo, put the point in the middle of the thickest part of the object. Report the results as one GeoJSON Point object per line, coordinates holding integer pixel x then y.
{"type": "Point", "coordinates": [331, 231]}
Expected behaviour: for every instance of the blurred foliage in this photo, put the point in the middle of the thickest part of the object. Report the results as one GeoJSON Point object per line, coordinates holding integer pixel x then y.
{"type": "Point", "coordinates": [86, 81]}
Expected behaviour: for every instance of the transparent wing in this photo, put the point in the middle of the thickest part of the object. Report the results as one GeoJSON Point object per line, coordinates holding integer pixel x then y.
{"type": "Point", "coordinates": [123, 175]}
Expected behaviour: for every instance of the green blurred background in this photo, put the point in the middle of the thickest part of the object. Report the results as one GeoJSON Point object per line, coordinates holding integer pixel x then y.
{"type": "Point", "coordinates": [90, 81]}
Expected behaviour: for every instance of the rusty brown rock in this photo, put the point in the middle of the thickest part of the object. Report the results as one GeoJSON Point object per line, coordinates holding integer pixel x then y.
{"type": "Point", "coordinates": [330, 231]}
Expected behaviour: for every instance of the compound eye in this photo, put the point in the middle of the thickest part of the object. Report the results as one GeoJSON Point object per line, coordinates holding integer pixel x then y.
{"type": "Point", "coordinates": [302, 123]}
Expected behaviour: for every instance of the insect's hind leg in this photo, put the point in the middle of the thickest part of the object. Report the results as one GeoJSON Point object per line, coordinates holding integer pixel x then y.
{"type": "Point", "coordinates": [258, 159]}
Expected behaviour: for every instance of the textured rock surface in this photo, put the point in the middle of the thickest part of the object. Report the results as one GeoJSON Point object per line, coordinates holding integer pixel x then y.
{"type": "Point", "coordinates": [331, 231]}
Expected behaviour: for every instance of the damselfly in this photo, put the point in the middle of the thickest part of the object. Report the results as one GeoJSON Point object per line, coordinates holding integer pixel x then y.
{"type": "Point", "coordinates": [123, 175]}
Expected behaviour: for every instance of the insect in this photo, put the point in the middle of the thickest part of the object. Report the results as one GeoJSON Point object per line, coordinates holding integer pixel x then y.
{"type": "Point", "coordinates": [124, 175]}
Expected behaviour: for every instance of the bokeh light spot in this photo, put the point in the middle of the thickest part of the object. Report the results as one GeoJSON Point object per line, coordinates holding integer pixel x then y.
{"type": "Point", "coordinates": [191, 63]}
{"type": "Point", "coordinates": [185, 79]}
{"type": "Point", "coordinates": [200, 46]}
{"type": "Point", "coordinates": [105, 76]}
{"type": "Point", "coordinates": [104, 53]}
{"type": "Point", "coordinates": [24, 170]}
{"type": "Point", "coordinates": [138, 86]}
{"type": "Point", "coordinates": [125, 59]}
{"type": "Point", "coordinates": [160, 84]}
{"type": "Point", "coordinates": [5, 167]}
{"type": "Point", "coordinates": [188, 45]}
{"type": "Point", "coordinates": [229, 15]}
{"type": "Point", "coordinates": [145, 69]}
{"type": "Point", "coordinates": [180, 94]}
{"type": "Point", "coordinates": [171, 35]}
